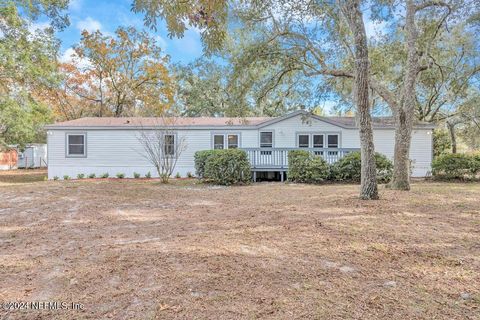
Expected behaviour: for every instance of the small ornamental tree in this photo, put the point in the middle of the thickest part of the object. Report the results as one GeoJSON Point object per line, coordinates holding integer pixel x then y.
{"type": "Point", "coordinates": [162, 147]}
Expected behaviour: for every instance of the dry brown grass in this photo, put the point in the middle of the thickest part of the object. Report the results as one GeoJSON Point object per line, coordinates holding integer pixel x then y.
{"type": "Point", "coordinates": [22, 176]}
{"type": "Point", "coordinates": [141, 250]}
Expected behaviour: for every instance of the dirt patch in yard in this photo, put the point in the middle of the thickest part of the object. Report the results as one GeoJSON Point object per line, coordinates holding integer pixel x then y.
{"type": "Point", "coordinates": [132, 249]}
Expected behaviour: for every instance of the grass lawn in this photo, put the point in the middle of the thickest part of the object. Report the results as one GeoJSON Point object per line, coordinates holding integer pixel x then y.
{"type": "Point", "coordinates": [136, 249]}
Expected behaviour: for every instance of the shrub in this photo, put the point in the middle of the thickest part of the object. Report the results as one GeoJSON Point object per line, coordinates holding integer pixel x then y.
{"type": "Point", "coordinates": [92, 175]}
{"type": "Point", "coordinates": [306, 168]}
{"type": "Point", "coordinates": [200, 161]}
{"type": "Point", "coordinates": [442, 143]}
{"type": "Point", "coordinates": [55, 178]}
{"type": "Point", "coordinates": [178, 176]}
{"type": "Point", "coordinates": [456, 166]}
{"type": "Point", "coordinates": [227, 167]}
{"type": "Point", "coordinates": [189, 174]}
{"type": "Point", "coordinates": [105, 175]}
{"type": "Point", "coordinates": [66, 177]}
{"type": "Point", "coordinates": [148, 175]}
{"type": "Point", "coordinates": [80, 176]}
{"type": "Point", "coordinates": [120, 175]}
{"type": "Point", "coordinates": [136, 175]}
{"type": "Point", "coordinates": [349, 168]}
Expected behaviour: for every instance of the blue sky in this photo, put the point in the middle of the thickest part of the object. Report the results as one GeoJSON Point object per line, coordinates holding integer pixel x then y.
{"type": "Point", "coordinates": [108, 15]}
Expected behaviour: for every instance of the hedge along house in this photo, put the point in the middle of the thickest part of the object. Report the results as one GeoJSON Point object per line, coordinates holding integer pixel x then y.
{"type": "Point", "coordinates": [111, 145]}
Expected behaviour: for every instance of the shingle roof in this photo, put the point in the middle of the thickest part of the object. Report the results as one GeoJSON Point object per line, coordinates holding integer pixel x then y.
{"type": "Point", "coordinates": [136, 122]}
{"type": "Point", "coordinates": [168, 121]}
{"type": "Point", "coordinates": [377, 122]}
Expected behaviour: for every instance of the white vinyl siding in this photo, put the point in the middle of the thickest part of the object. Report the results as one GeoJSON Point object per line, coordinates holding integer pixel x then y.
{"type": "Point", "coordinates": [118, 150]}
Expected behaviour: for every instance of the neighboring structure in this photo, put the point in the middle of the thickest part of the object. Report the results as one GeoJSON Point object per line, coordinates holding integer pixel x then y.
{"type": "Point", "coordinates": [100, 145]}
{"type": "Point", "coordinates": [33, 156]}
{"type": "Point", "coordinates": [8, 159]}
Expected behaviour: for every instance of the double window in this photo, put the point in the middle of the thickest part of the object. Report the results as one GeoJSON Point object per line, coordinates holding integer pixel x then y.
{"type": "Point", "coordinates": [226, 140]}
{"type": "Point", "coordinates": [314, 140]}
{"type": "Point", "coordinates": [76, 145]}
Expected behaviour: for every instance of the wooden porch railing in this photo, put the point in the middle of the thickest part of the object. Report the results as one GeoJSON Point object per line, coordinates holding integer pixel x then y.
{"type": "Point", "coordinates": [277, 158]}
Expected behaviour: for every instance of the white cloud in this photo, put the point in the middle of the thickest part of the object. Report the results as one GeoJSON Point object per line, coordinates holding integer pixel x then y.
{"type": "Point", "coordinates": [161, 42]}
{"type": "Point", "coordinates": [40, 26]}
{"type": "Point", "coordinates": [75, 5]}
{"type": "Point", "coordinates": [375, 29]}
{"type": "Point", "coordinates": [70, 56]}
{"type": "Point", "coordinates": [89, 24]}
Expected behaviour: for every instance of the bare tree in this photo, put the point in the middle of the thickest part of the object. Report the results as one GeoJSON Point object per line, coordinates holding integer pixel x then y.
{"type": "Point", "coordinates": [162, 146]}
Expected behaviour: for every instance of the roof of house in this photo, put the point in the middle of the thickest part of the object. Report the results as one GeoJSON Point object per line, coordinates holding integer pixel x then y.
{"type": "Point", "coordinates": [214, 122]}
{"type": "Point", "coordinates": [167, 121]}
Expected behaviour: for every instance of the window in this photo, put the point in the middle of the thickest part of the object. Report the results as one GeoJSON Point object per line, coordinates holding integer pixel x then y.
{"type": "Point", "coordinates": [224, 141]}
{"type": "Point", "coordinates": [169, 144]}
{"type": "Point", "coordinates": [76, 145]}
{"type": "Point", "coordinates": [266, 139]}
{"type": "Point", "coordinates": [303, 140]}
{"type": "Point", "coordinates": [318, 140]}
{"type": "Point", "coordinates": [232, 141]}
{"type": "Point", "coordinates": [333, 140]}
{"type": "Point", "coordinates": [218, 141]}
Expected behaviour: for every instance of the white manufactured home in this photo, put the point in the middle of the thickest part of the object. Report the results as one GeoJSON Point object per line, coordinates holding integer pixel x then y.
{"type": "Point", "coordinates": [111, 145]}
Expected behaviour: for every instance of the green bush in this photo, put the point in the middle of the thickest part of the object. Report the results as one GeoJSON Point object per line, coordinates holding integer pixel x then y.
{"type": "Point", "coordinates": [105, 175]}
{"type": "Point", "coordinates": [136, 175]}
{"type": "Point", "coordinates": [92, 175]}
{"type": "Point", "coordinates": [55, 178]}
{"type": "Point", "coordinates": [200, 161]}
{"type": "Point", "coordinates": [178, 175]}
{"type": "Point", "coordinates": [442, 142]}
{"type": "Point", "coordinates": [148, 175]}
{"type": "Point", "coordinates": [80, 176]}
{"type": "Point", "coordinates": [120, 175]}
{"type": "Point", "coordinates": [456, 166]}
{"type": "Point", "coordinates": [66, 177]}
{"type": "Point", "coordinates": [306, 168]}
{"type": "Point", "coordinates": [189, 174]}
{"type": "Point", "coordinates": [227, 167]}
{"type": "Point", "coordinates": [349, 168]}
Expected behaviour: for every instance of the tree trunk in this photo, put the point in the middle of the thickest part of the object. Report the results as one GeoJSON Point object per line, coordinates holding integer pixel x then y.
{"type": "Point", "coordinates": [406, 108]}
{"type": "Point", "coordinates": [401, 159]}
{"type": "Point", "coordinates": [453, 137]}
{"type": "Point", "coordinates": [369, 189]}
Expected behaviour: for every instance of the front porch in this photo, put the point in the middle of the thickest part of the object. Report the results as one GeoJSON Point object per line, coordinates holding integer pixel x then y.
{"type": "Point", "coordinates": [276, 159]}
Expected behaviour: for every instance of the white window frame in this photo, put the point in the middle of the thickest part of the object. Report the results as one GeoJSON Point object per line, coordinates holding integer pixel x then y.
{"type": "Point", "coordinates": [165, 144]}
{"type": "Point", "coordinates": [338, 140]}
{"type": "Point", "coordinates": [260, 138]}
{"type": "Point", "coordinates": [225, 139]}
{"type": "Point", "coordinates": [323, 140]}
{"type": "Point", "coordinates": [325, 135]}
{"type": "Point", "coordinates": [309, 136]}
{"type": "Point", "coordinates": [67, 145]}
